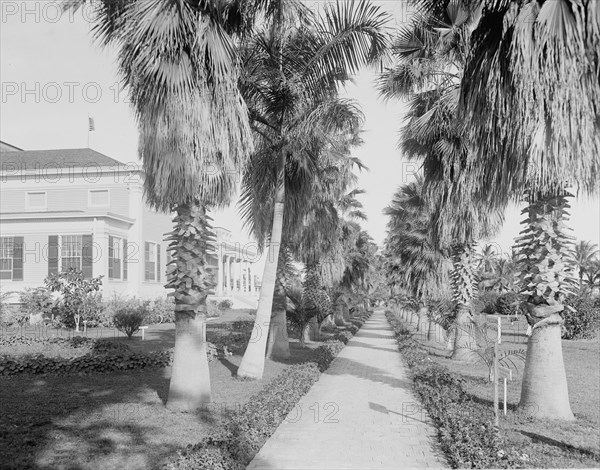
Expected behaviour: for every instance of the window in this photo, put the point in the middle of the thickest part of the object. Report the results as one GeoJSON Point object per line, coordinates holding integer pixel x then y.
{"type": "Point", "coordinates": [71, 251]}
{"type": "Point", "coordinates": [36, 200]}
{"type": "Point", "coordinates": [115, 257]}
{"type": "Point", "coordinates": [11, 258]}
{"type": "Point", "coordinates": [152, 261]}
{"type": "Point", "coordinates": [6, 257]}
{"type": "Point", "coordinates": [98, 198]}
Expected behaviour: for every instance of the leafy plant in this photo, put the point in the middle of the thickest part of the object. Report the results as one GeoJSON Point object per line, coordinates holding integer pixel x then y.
{"type": "Point", "coordinates": [129, 320]}
{"type": "Point", "coordinates": [506, 304]}
{"type": "Point", "coordinates": [75, 289]}
{"type": "Point", "coordinates": [37, 301]}
{"type": "Point", "coordinates": [581, 317]}
{"type": "Point", "coordinates": [225, 305]}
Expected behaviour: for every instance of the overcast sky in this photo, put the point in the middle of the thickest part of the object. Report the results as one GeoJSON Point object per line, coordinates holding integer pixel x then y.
{"type": "Point", "coordinates": [53, 76]}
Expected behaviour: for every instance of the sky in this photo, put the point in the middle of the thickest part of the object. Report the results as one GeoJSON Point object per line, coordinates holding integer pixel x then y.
{"type": "Point", "coordinates": [54, 76]}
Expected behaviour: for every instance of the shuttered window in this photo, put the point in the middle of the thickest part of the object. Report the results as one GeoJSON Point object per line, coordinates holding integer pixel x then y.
{"type": "Point", "coordinates": [115, 257]}
{"type": "Point", "coordinates": [152, 261]}
{"type": "Point", "coordinates": [11, 258]}
{"type": "Point", "coordinates": [71, 251]}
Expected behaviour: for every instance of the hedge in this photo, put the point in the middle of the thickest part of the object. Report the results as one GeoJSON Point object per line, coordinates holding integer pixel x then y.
{"type": "Point", "coordinates": [94, 362]}
{"type": "Point", "coordinates": [465, 428]}
{"type": "Point", "coordinates": [234, 445]}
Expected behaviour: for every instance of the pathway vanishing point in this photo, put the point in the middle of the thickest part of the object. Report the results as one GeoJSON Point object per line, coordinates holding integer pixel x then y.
{"type": "Point", "coordinates": [361, 414]}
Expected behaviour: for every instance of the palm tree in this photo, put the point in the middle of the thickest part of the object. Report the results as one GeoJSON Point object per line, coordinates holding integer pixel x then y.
{"type": "Point", "coordinates": [592, 274]}
{"type": "Point", "coordinates": [530, 98]}
{"type": "Point", "coordinates": [299, 59]}
{"type": "Point", "coordinates": [413, 262]}
{"type": "Point", "coordinates": [183, 84]}
{"type": "Point", "coordinates": [585, 253]}
{"type": "Point", "coordinates": [430, 54]}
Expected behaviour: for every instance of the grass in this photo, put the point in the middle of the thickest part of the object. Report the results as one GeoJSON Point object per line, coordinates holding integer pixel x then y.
{"type": "Point", "coordinates": [116, 421]}
{"type": "Point", "coordinates": [549, 443]}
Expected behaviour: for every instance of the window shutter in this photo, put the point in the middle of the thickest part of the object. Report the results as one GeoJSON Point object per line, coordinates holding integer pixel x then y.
{"type": "Point", "coordinates": [87, 256]}
{"type": "Point", "coordinates": [146, 259]}
{"type": "Point", "coordinates": [111, 254]}
{"type": "Point", "coordinates": [125, 259]}
{"type": "Point", "coordinates": [52, 255]}
{"type": "Point", "coordinates": [17, 273]}
{"type": "Point", "coordinates": [158, 262]}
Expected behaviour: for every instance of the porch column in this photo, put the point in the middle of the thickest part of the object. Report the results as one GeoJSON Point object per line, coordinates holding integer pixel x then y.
{"type": "Point", "coordinates": [227, 274]}
{"type": "Point", "coordinates": [219, 290]}
{"type": "Point", "coordinates": [248, 270]}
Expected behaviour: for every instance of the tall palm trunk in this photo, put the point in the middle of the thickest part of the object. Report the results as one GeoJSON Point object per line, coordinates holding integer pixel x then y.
{"type": "Point", "coordinates": [253, 362]}
{"type": "Point", "coordinates": [546, 277]}
{"type": "Point", "coordinates": [463, 285]}
{"type": "Point", "coordinates": [190, 380]}
{"type": "Point", "coordinates": [278, 345]}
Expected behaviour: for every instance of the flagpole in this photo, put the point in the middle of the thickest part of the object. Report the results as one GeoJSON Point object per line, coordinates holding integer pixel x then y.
{"type": "Point", "coordinates": [88, 134]}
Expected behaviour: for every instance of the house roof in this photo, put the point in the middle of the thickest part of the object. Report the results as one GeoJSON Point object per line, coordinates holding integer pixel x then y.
{"type": "Point", "coordinates": [6, 147]}
{"type": "Point", "coordinates": [62, 158]}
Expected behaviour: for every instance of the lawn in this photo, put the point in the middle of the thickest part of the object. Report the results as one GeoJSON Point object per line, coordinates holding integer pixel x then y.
{"type": "Point", "coordinates": [550, 443]}
{"type": "Point", "coordinates": [115, 421]}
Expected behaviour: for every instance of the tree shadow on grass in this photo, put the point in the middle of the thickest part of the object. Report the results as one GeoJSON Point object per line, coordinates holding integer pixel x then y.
{"type": "Point", "coordinates": [108, 421]}
{"type": "Point", "coordinates": [560, 444]}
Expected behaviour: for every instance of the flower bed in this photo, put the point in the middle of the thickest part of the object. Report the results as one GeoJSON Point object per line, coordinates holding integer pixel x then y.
{"type": "Point", "coordinates": [465, 428]}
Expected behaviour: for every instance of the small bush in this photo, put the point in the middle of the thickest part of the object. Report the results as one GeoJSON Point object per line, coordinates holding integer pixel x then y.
{"type": "Point", "coordinates": [488, 301]}
{"type": "Point", "coordinates": [161, 310]}
{"type": "Point", "coordinates": [504, 303]}
{"type": "Point", "coordinates": [584, 321]}
{"type": "Point", "coordinates": [128, 321]}
{"type": "Point", "coordinates": [225, 305]}
{"type": "Point", "coordinates": [37, 303]}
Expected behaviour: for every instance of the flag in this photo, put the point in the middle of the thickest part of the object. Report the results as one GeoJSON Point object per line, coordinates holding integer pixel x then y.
{"type": "Point", "coordinates": [92, 127]}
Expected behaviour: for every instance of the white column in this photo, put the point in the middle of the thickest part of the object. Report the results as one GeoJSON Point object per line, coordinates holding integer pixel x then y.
{"type": "Point", "coordinates": [244, 275]}
{"type": "Point", "coordinates": [251, 278]}
{"type": "Point", "coordinates": [219, 289]}
{"type": "Point", "coordinates": [239, 275]}
{"type": "Point", "coordinates": [227, 275]}
{"type": "Point", "coordinates": [135, 239]}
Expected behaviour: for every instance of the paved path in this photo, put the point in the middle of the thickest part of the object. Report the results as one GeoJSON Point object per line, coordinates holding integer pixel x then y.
{"type": "Point", "coordinates": [361, 414]}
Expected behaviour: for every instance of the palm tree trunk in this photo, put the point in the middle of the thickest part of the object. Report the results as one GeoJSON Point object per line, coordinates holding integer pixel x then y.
{"type": "Point", "coordinates": [189, 388]}
{"type": "Point", "coordinates": [253, 362]}
{"type": "Point", "coordinates": [278, 345]}
{"type": "Point", "coordinates": [544, 248]}
{"type": "Point", "coordinates": [464, 343]}
{"type": "Point", "coordinates": [339, 315]}
{"type": "Point", "coordinates": [544, 393]}
{"type": "Point", "coordinates": [423, 321]}
{"type": "Point", "coordinates": [463, 285]}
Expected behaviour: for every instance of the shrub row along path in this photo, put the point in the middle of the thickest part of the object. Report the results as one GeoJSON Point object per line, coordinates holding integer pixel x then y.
{"type": "Point", "coordinates": [361, 414]}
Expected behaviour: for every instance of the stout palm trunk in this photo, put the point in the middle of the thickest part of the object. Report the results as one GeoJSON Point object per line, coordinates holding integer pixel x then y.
{"type": "Point", "coordinates": [189, 388]}
{"type": "Point", "coordinates": [546, 277]}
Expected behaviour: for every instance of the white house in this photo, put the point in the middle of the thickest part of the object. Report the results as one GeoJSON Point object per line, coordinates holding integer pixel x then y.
{"type": "Point", "coordinates": [80, 208]}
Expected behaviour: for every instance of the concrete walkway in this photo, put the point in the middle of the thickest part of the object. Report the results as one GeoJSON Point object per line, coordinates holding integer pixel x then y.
{"type": "Point", "coordinates": [361, 414]}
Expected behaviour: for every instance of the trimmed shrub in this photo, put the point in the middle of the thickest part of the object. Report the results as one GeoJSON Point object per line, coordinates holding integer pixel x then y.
{"type": "Point", "coordinates": [465, 428]}
{"type": "Point", "coordinates": [225, 305]}
{"type": "Point", "coordinates": [128, 321]}
{"type": "Point", "coordinates": [583, 321]}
